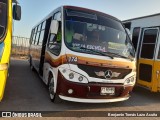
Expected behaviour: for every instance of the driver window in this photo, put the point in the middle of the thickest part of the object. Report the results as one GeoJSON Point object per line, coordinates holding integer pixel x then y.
{"type": "Point", "coordinates": [54, 43]}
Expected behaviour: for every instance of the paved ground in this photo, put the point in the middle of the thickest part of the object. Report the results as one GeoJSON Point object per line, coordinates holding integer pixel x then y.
{"type": "Point", "coordinates": [26, 92]}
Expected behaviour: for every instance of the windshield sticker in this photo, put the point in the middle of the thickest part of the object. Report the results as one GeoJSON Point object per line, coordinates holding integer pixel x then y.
{"type": "Point", "coordinates": [89, 46]}
{"type": "Point", "coordinates": [116, 46]}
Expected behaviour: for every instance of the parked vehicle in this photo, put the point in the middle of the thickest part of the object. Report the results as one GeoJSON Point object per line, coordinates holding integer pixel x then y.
{"type": "Point", "coordinates": [83, 56]}
{"type": "Point", "coordinates": [146, 40]}
{"type": "Point", "coordinates": [6, 37]}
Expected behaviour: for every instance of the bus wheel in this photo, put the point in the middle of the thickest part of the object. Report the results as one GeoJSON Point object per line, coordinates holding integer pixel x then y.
{"type": "Point", "coordinates": [53, 96]}
{"type": "Point", "coordinates": [51, 90]}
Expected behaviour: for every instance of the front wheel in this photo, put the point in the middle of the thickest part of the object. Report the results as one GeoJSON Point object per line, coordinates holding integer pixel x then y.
{"type": "Point", "coordinates": [51, 90]}
{"type": "Point", "coordinates": [53, 96]}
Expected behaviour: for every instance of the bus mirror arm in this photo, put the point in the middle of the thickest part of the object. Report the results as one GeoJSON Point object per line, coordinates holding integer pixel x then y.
{"type": "Point", "coordinates": [129, 33]}
{"type": "Point", "coordinates": [54, 27]}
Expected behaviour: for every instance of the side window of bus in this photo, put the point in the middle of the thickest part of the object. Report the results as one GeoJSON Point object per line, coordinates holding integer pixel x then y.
{"type": "Point", "coordinates": [31, 38]}
{"type": "Point", "coordinates": [135, 37]}
{"type": "Point", "coordinates": [149, 43]}
{"type": "Point", "coordinates": [41, 36]}
{"type": "Point", "coordinates": [158, 57]}
{"type": "Point", "coordinates": [34, 36]}
{"type": "Point", "coordinates": [37, 35]}
{"type": "Point", "coordinates": [54, 43]}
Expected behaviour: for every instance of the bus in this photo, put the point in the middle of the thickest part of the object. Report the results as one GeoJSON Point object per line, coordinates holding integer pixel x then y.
{"type": "Point", "coordinates": [146, 41]}
{"type": "Point", "coordinates": [83, 55]}
{"type": "Point", "coordinates": [6, 37]}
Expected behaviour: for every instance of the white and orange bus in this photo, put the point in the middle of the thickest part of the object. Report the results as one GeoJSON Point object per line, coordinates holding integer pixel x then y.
{"type": "Point", "coordinates": [6, 13]}
{"type": "Point", "coordinates": [83, 56]}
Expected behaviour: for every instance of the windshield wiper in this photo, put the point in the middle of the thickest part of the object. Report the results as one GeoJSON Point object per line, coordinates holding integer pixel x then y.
{"type": "Point", "coordinates": [116, 54]}
{"type": "Point", "coordinates": [99, 52]}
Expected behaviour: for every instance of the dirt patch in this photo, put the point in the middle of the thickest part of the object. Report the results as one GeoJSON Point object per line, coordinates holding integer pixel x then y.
{"type": "Point", "coordinates": [19, 57]}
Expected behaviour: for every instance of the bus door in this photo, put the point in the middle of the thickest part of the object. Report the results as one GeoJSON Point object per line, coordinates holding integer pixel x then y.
{"type": "Point", "coordinates": [56, 16]}
{"type": "Point", "coordinates": [148, 66]}
{"type": "Point", "coordinates": [43, 39]}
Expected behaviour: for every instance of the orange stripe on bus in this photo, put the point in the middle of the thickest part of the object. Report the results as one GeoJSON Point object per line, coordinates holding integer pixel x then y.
{"type": "Point", "coordinates": [89, 61]}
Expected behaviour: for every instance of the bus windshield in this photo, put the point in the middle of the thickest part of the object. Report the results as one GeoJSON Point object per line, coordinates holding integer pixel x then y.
{"type": "Point", "coordinates": [97, 33]}
{"type": "Point", "coordinates": [3, 17]}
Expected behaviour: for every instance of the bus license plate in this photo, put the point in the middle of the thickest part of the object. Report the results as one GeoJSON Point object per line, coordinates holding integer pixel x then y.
{"type": "Point", "coordinates": [107, 91]}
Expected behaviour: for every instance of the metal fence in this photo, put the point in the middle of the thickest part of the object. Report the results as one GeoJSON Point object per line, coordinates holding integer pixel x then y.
{"type": "Point", "coordinates": [20, 46]}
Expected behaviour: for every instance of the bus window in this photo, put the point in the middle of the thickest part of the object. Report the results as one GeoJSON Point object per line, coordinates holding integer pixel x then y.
{"type": "Point", "coordinates": [41, 38]}
{"type": "Point", "coordinates": [57, 16]}
{"type": "Point", "coordinates": [33, 39]}
{"type": "Point", "coordinates": [43, 25]}
{"type": "Point", "coordinates": [39, 27]}
{"type": "Point", "coordinates": [32, 35]}
{"type": "Point", "coordinates": [136, 32]}
{"type": "Point", "coordinates": [148, 45]}
{"type": "Point", "coordinates": [42, 33]}
{"type": "Point", "coordinates": [3, 16]}
{"type": "Point", "coordinates": [54, 43]}
{"type": "Point", "coordinates": [37, 37]}
{"type": "Point", "coordinates": [37, 34]}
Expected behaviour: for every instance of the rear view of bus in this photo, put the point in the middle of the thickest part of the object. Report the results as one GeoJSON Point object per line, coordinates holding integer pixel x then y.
{"type": "Point", "coordinates": [5, 39]}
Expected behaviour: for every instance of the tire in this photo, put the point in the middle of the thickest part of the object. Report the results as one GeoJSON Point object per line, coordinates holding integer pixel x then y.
{"type": "Point", "coordinates": [53, 96]}
{"type": "Point", "coordinates": [51, 89]}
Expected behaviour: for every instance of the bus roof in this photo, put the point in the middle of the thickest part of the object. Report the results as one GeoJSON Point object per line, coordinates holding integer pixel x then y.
{"type": "Point", "coordinates": [90, 10]}
{"type": "Point", "coordinates": [153, 15]}
{"type": "Point", "coordinates": [77, 8]}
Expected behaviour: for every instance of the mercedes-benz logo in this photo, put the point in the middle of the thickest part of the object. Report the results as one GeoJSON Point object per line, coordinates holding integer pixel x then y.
{"type": "Point", "coordinates": [108, 74]}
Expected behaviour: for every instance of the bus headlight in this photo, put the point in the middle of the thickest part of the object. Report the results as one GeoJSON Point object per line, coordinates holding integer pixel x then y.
{"type": "Point", "coordinates": [73, 76]}
{"type": "Point", "coordinates": [130, 81]}
{"type": "Point", "coordinates": [3, 67]}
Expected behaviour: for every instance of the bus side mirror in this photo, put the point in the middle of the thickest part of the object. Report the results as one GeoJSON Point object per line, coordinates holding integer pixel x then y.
{"type": "Point", "coordinates": [54, 27]}
{"type": "Point", "coordinates": [129, 33]}
{"type": "Point", "coordinates": [16, 12]}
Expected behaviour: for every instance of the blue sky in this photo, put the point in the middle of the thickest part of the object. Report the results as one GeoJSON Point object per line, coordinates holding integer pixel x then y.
{"type": "Point", "coordinates": [35, 10]}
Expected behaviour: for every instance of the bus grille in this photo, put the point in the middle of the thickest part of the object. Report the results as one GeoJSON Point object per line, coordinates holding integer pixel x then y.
{"type": "Point", "coordinates": [92, 71]}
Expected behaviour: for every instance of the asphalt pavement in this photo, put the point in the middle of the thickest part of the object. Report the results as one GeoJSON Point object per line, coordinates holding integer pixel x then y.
{"type": "Point", "coordinates": [25, 91]}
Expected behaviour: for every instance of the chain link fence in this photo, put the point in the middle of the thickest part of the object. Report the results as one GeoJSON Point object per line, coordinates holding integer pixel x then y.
{"type": "Point", "coordinates": [20, 46]}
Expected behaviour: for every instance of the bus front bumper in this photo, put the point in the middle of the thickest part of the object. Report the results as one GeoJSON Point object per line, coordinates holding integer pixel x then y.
{"type": "Point", "coordinates": [93, 100]}
{"type": "Point", "coordinates": [3, 78]}
{"type": "Point", "coordinates": [90, 93]}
